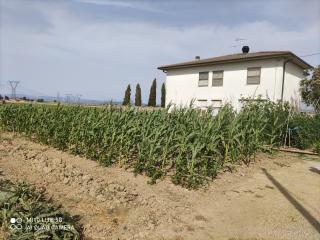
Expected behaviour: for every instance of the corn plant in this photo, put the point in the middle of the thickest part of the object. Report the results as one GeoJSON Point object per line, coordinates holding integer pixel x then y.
{"type": "Point", "coordinates": [37, 218]}
{"type": "Point", "coordinates": [189, 145]}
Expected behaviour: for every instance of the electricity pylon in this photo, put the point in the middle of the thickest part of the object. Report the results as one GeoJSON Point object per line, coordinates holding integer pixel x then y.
{"type": "Point", "coordinates": [13, 85]}
{"type": "Point", "coordinates": [79, 98]}
{"type": "Point", "coordinates": [68, 97]}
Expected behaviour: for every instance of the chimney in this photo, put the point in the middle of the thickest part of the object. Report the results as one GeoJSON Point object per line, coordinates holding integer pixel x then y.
{"type": "Point", "coordinates": [197, 57]}
{"type": "Point", "coordinates": [245, 49]}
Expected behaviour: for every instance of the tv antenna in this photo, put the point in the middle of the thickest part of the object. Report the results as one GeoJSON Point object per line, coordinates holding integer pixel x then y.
{"type": "Point", "coordinates": [239, 42]}
{"type": "Point", "coordinates": [240, 39]}
{"type": "Point", "coordinates": [13, 85]}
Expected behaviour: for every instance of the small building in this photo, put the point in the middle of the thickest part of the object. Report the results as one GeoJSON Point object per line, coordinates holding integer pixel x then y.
{"type": "Point", "coordinates": [273, 75]}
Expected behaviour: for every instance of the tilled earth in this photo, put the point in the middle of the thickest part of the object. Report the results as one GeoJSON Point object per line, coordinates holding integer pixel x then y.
{"type": "Point", "coordinates": [114, 204]}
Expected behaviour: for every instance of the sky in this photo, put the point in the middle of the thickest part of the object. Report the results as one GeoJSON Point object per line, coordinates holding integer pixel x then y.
{"type": "Point", "coordinates": [97, 47]}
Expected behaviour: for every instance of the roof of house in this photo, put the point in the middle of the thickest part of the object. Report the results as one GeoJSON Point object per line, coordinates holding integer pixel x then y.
{"type": "Point", "coordinates": [240, 57]}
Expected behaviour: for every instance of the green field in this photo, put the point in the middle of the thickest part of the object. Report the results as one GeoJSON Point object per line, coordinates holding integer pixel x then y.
{"type": "Point", "coordinates": [189, 145]}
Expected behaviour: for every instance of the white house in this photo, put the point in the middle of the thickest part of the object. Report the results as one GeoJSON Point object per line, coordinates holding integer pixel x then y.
{"type": "Point", "coordinates": [273, 75]}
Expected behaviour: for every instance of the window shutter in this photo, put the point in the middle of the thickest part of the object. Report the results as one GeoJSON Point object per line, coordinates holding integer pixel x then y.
{"type": "Point", "coordinates": [202, 103]}
{"type": "Point", "coordinates": [216, 103]}
{"type": "Point", "coordinates": [203, 75]}
{"type": "Point", "coordinates": [218, 74]}
{"type": "Point", "coordinates": [253, 72]}
{"type": "Point", "coordinates": [203, 79]}
{"type": "Point", "coordinates": [253, 75]}
{"type": "Point", "coordinates": [217, 78]}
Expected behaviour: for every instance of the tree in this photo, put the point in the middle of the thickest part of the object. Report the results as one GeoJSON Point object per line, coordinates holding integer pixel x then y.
{"type": "Point", "coordinates": [1, 97]}
{"type": "Point", "coordinates": [310, 89]}
{"type": "Point", "coordinates": [163, 95]}
{"type": "Point", "coordinates": [127, 96]}
{"type": "Point", "coordinates": [137, 100]}
{"type": "Point", "coordinates": [6, 98]}
{"type": "Point", "coordinates": [153, 94]}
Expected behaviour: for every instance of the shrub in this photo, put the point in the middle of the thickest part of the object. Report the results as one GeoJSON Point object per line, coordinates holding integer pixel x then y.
{"type": "Point", "coordinates": [305, 130]}
{"type": "Point", "coordinates": [317, 147]}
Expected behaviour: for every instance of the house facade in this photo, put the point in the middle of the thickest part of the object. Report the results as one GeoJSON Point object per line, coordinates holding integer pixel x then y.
{"type": "Point", "coordinates": [235, 78]}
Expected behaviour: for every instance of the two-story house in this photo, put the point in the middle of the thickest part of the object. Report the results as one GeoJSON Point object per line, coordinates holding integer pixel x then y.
{"type": "Point", "coordinates": [273, 75]}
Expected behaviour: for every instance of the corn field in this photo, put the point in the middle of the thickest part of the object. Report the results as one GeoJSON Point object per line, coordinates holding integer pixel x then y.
{"type": "Point", "coordinates": [187, 145]}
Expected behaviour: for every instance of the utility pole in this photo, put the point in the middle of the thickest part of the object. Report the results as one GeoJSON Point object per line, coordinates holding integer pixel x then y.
{"type": "Point", "coordinates": [0, 87]}
{"type": "Point", "coordinates": [58, 97]}
{"type": "Point", "coordinates": [13, 85]}
{"type": "Point", "coordinates": [68, 97]}
{"type": "Point", "coordinates": [78, 96]}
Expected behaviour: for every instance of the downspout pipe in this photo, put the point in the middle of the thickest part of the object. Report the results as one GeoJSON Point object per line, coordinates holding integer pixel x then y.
{"type": "Point", "coordinates": [283, 77]}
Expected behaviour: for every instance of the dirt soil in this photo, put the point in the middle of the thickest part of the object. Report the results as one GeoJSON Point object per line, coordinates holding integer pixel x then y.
{"type": "Point", "coordinates": [277, 197]}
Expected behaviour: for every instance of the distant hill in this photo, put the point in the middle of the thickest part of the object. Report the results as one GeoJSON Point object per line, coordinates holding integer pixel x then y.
{"type": "Point", "coordinates": [64, 99]}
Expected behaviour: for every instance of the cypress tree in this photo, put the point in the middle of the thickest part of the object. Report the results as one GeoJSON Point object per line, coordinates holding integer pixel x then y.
{"type": "Point", "coordinates": [153, 94]}
{"type": "Point", "coordinates": [137, 100]}
{"type": "Point", "coordinates": [127, 96]}
{"type": "Point", "coordinates": [163, 95]}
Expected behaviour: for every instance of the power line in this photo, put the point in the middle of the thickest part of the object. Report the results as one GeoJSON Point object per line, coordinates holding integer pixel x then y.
{"type": "Point", "coordinates": [312, 54]}
{"type": "Point", "coordinates": [30, 91]}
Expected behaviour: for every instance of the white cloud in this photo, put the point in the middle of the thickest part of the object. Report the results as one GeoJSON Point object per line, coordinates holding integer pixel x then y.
{"type": "Point", "coordinates": [138, 5]}
{"type": "Point", "coordinates": [98, 59]}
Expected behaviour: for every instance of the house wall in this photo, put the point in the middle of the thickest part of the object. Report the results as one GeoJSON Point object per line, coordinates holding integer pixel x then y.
{"type": "Point", "coordinates": [293, 76]}
{"type": "Point", "coordinates": [182, 84]}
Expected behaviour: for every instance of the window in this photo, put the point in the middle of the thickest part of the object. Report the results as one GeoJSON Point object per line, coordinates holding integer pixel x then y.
{"type": "Point", "coordinates": [216, 106]}
{"type": "Point", "coordinates": [202, 103]}
{"type": "Point", "coordinates": [253, 75]}
{"type": "Point", "coordinates": [203, 79]}
{"type": "Point", "coordinates": [216, 103]}
{"type": "Point", "coordinates": [217, 78]}
{"type": "Point", "coordinates": [244, 101]}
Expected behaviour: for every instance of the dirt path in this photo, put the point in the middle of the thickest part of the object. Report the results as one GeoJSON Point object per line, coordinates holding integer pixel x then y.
{"type": "Point", "coordinates": [276, 198]}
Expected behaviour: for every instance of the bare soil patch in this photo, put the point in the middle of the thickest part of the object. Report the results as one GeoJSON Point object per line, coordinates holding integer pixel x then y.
{"type": "Point", "coordinates": [277, 197]}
